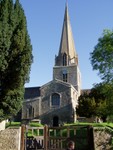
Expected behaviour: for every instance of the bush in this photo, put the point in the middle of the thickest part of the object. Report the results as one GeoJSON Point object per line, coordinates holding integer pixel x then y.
{"type": "Point", "coordinates": [110, 118]}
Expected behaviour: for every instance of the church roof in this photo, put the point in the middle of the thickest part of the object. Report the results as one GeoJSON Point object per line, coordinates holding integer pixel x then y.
{"type": "Point", "coordinates": [87, 91]}
{"type": "Point", "coordinates": [55, 81]}
{"type": "Point", "coordinates": [32, 92]}
{"type": "Point", "coordinates": [67, 42]}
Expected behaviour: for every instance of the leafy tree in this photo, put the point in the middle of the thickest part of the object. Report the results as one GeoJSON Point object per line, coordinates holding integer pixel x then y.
{"type": "Point", "coordinates": [102, 60]}
{"type": "Point", "coordinates": [108, 92]}
{"type": "Point", "coordinates": [102, 56]}
{"type": "Point", "coordinates": [94, 103]}
{"type": "Point", "coordinates": [87, 106]}
{"type": "Point", "coordinates": [15, 57]}
{"type": "Point", "coordinates": [106, 104]}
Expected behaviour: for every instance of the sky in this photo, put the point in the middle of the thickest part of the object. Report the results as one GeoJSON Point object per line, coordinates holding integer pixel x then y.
{"type": "Point", "coordinates": [44, 23]}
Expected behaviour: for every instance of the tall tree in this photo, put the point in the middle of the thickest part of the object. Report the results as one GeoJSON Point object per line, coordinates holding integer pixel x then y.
{"type": "Point", "coordinates": [102, 56]}
{"type": "Point", "coordinates": [94, 103]}
{"type": "Point", "coordinates": [15, 57]}
{"type": "Point", "coordinates": [87, 106]}
{"type": "Point", "coordinates": [102, 60]}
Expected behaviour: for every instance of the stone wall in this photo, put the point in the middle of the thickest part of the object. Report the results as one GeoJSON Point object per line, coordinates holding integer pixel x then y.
{"type": "Point", "coordinates": [10, 139]}
{"type": "Point", "coordinates": [72, 72]}
{"type": "Point", "coordinates": [49, 111]}
{"type": "Point", "coordinates": [31, 108]}
{"type": "Point", "coordinates": [2, 125]}
{"type": "Point", "coordinates": [103, 139]}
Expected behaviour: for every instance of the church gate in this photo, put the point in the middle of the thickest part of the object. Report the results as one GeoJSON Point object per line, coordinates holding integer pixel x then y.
{"type": "Point", "coordinates": [56, 138]}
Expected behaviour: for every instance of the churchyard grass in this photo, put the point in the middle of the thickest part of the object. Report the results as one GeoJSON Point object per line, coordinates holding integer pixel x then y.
{"type": "Point", "coordinates": [18, 124]}
{"type": "Point", "coordinates": [33, 124]}
{"type": "Point", "coordinates": [92, 124]}
{"type": "Point", "coordinates": [13, 124]}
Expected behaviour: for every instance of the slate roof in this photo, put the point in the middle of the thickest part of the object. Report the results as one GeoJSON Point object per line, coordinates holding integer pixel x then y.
{"type": "Point", "coordinates": [87, 91]}
{"type": "Point", "coordinates": [32, 92]}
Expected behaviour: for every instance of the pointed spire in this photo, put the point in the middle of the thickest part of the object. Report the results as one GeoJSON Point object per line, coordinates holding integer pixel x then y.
{"type": "Point", "coordinates": [66, 15]}
{"type": "Point", "coordinates": [67, 42]}
{"type": "Point", "coordinates": [66, 4]}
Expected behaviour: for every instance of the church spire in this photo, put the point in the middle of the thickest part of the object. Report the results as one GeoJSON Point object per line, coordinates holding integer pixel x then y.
{"type": "Point", "coordinates": [67, 47]}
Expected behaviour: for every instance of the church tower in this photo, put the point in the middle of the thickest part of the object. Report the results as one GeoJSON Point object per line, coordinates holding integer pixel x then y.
{"type": "Point", "coordinates": [66, 66]}
{"type": "Point", "coordinates": [52, 100]}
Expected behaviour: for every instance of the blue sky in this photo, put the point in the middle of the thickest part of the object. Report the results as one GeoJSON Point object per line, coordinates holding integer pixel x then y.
{"type": "Point", "coordinates": [44, 22]}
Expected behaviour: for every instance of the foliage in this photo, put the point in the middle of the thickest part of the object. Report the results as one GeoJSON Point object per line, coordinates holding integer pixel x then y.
{"type": "Point", "coordinates": [97, 102]}
{"type": "Point", "coordinates": [15, 57]}
{"type": "Point", "coordinates": [102, 60]}
{"type": "Point", "coordinates": [106, 89]}
{"type": "Point", "coordinates": [87, 106]}
{"type": "Point", "coordinates": [102, 56]}
{"type": "Point", "coordinates": [110, 118]}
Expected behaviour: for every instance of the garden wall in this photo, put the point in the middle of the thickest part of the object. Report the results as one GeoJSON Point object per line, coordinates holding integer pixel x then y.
{"type": "Point", "coordinates": [2, 125]}
{"type": "Point", "coordinates": [10, 139]}
{"type": "Point", "coordinates": [103, 139]}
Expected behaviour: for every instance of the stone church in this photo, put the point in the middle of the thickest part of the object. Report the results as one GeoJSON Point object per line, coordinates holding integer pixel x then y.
{"type": "Point", "coordinates": [55, 102]}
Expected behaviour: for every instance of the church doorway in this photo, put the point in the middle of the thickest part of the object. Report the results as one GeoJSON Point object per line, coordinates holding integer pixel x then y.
{"type": "Point", "coordinates": [55, 121]}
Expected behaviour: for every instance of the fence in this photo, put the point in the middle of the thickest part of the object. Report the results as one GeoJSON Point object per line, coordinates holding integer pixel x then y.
{"type": "Point", "coordinates": [59, 136]}
{"type": "Point", "coordinates": [56, 138]}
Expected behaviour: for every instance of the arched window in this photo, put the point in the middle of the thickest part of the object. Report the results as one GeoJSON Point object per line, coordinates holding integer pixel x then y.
{"type": "Point", "coordinates": [64, 75]}
{"type": "Point", "coordinates": [64, 59]}
{"type": "Point", "coordinates": [55, 99]}
{"type": "Point", "coordinates": [30, 111]}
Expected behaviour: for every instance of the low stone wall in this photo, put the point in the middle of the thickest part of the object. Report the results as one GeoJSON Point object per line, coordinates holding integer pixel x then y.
{"type": "Point", "coordinates": [10, 139]}
{"type": "Point", "coordinates": [2, 125]}
{"type": "Point", "coordinates": [103, 139]}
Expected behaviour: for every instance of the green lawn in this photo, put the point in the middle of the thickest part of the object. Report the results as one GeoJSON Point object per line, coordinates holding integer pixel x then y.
{"type": "Point", "coordinates": [33, 124]}
{"type": "Point", "coordinates": [13, 124]}
{"type": "Point", "coordinates": [18, 124]}
{"type": "Point", "coordinates": [92, 124]}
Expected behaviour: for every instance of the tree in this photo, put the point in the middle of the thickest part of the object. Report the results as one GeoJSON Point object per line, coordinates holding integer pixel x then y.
{"type": "Point", "coordinates": [102, 60]}
{"type": "Point", "coordinates": [94, 103]}
{"type": "Point", "coordinates": [86, 107]}
{"type": "Point", "coordinates": [102, 56]}
{"type": "Point", "coordinates": [108, 92]}
{"type": "Point", "coordinates": [15, 57]}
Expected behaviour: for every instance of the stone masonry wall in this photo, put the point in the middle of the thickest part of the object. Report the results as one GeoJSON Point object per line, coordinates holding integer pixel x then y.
{"type": "Point", "coordinates": [10, 139]}
{"type": "Point", "coordinates": [103, 139]}
{"type": "Point", "coordinates": [2, 125]}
